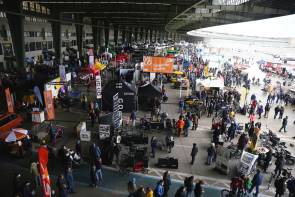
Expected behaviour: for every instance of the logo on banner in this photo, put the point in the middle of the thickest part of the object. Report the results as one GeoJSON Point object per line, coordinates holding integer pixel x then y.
{"type": "Point", "coordinates": [117, 108]}
{"type": "Point", "coordinates": [10, 104]}
{"type": "Point", "coordinates": [98, 86]}
{"type": "Point", "coordinates": [157, 64]}
{"type": "Point", "coordinates": [49, 105]}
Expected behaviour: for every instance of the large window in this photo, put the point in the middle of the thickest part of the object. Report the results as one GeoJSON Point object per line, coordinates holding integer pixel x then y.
{"type": "Point", "coordinates": [38, 46]}
{"type": "Point", "coordinates": [74, 43]}
{"type": "Point", "coordinates": [27, 47]}
{"type": "Point", "coordinates": [49, 44]}
{"type": "Point", "coordinates": [38, 8]}
{"type": "Point", "coordinates": [25, 5]}
{"type": "Point", "coordinates": [44, 45]}
{"type": "Point", "coordinates": [32, 46]}
{"type": "Point", "coordinates": [32, 6]}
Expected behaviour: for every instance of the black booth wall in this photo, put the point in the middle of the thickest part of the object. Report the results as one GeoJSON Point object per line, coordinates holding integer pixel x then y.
{"type": "Point", "coordinates": [126, 92]}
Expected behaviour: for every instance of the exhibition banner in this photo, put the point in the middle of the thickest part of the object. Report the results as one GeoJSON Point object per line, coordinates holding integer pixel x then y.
{"type": "Point", "coordinates": [9, 100]}
{"type": "Point", "coordinates": [49, 105]}
{"type": "Point", "coordinates": [98, 86]}
{"type": "Point", "coordinates": [45, 181]}
{"type": "Point", "coordinates": [157, 64]}
{"type": "Point", "coordinates": [117, 108]}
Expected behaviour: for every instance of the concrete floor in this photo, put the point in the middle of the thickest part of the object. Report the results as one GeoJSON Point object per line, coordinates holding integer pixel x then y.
{"type": "Point", "coordinates": [183, 145]}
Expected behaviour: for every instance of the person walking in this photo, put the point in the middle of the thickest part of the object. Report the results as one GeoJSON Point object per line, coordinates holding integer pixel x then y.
{"type": "Point", "coordinates": [277, 110]}
{"type": "Point", "coordinates": [187, 125]}
{"type": "Point", "coordinates": [281, 112]}
{"type": "Point", "coordinates": [70, 179]}
{"type": "Point", "coordinates": [166, 182]}
{"type": "Point", "coordinates": [189, 185]}
{"type": "Point", "coordinates": [259, 111]}
{"type": "Point", "coordinates": [61, 185]}
{"type": "Point", "coordinates": [284, 124]}
{"type": "Point", "coordinates": [93, 178]}
{"type": "Point", "coordinates": [210, 154]}
{"type": "Point", "coordinates": [256, 182]}
{"type": "Point", "coordinates": [280, 163]}
{"type": "Point", "coordinates": [98, 170]}
{"type": "Point", "coordinates": [180, 125]}
{"type": "Point", "coordinates": [266, 110]}
{"type": "Point", "coordinates": [35, 174]}
{"type": "Point", "coordinates": [194, 153]}
{"type": "Point", "coordinates": [154, 142]}
{"type": "Point", "coordinates": [195, 119]}
{"type": "Point", "coordinates": [133, 118]}
{"type": "Point", "coordinates": [267, 160]}
{"type": "Point", "coordinates": [198, 191]}
{"type": "Point", "coordinates": [159, 190]}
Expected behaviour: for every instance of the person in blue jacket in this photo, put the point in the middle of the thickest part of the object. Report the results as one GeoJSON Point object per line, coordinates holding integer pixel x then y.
{"type": "Point", "coordinates": [256, 182]}
{"type": "Point", "coordinates": [159, 190]}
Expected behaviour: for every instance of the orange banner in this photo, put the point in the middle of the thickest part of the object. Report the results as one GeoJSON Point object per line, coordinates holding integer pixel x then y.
{"type": "Point", "coordinates": [9, 101]}
{"type": "Point", "coordinates": [49, 105]}
{"type": "Point", "coordinates": [157, 64]}
{"type": "Point", "coordinates": [45, 181]}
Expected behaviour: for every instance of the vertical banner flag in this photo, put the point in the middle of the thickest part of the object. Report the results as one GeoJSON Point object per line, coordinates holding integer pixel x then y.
{"type": "Point", "coordinates": [62, 73]}
{"type": "Point", "coordinates": [49, 105]}
{"type": "Point", "coordinates": [45, 181]}
{"type": "Point", "coordinates": [98, 86]}
{"type": "Point", "coordinates": [9, 101]}
{"type": "Point", "coordinates": [117, 107]}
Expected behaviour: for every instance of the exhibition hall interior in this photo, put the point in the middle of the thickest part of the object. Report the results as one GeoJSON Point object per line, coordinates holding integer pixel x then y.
{"type": "Point", "coordinates": [147, 98]}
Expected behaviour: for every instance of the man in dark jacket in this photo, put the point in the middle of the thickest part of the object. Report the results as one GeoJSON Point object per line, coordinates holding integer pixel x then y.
{"type": "Point", "coordinates": [181, 192]}
{"type": "Point", "coordinates": [268, 159]}
{"type": "Point", "coordinates": [280, 185]}
{"type": "Point", "coordinates": [194, 153]}
{"type": "Point", "coordinates": [280, 162]}
{"type": "Point", "coordinates": [167, 183]}
{"type": "Point", "coordinates": [256, 182]}
{"type": "Point", "coordinates": [277, 109]}
{"type": "Point", "coordinates": [284, 124]}
{"type": "Point", "coordinates": [242, 142]}
{"type": "Point", "coordinates": [282, 110]}
{"type": "Point", "coordinates": [266, 110]}
{"type": "Point", "coordinates": [199, 189]}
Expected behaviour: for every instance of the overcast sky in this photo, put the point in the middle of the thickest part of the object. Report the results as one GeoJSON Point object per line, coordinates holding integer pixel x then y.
{"type": "Point", "coordinates": [280, 27]}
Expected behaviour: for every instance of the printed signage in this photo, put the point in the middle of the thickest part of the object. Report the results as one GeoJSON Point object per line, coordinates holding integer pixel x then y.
{"type": "Point", "coordinates": [98, 86]}
{"type": "Point", "coordinates": [246, 162]}
{"type": "Point", "coordinates": [117, 108]}
{"type": "Point", "coordinates": [10, 104]}
{"type": "Point", "coordinates": [104, 131]}
{"type": "Point", "coordinates": [49, 105]}
{"type": "Point", "coordinates": [157, 64]}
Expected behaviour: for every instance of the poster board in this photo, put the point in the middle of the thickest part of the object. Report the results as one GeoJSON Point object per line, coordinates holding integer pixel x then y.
{"type": "Point", "coordinates": [98, 86]}
{"type": "Point", "coordinates": [246, 162]}
{"type": "Point", "coordinates": [104, 131]}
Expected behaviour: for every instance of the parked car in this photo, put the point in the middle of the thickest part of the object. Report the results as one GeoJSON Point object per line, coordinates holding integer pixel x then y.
{"type": "Point", "coordinates": [9, 121]}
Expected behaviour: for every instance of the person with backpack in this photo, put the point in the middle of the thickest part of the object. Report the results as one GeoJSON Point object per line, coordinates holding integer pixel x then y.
{"type": "Point", "coordinates": [280, 185]}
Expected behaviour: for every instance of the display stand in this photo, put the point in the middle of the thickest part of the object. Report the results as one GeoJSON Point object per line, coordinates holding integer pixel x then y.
{"type": "Point", "coordinates": [38, 117]}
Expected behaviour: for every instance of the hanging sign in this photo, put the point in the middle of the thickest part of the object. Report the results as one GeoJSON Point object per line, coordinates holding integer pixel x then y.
{"type": "Point", "coordinates": [157, 64]}
{"type": "Point", "coordinates": [98, 86]}
{"type": "Point", "coordinates": [49, 105]}
{"type": "Point", "coordinates": [10, 104]}
{"type": "Point", "coordinates": [117, 108]}
{"type": "Point", "coordinates": [45, 181]}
